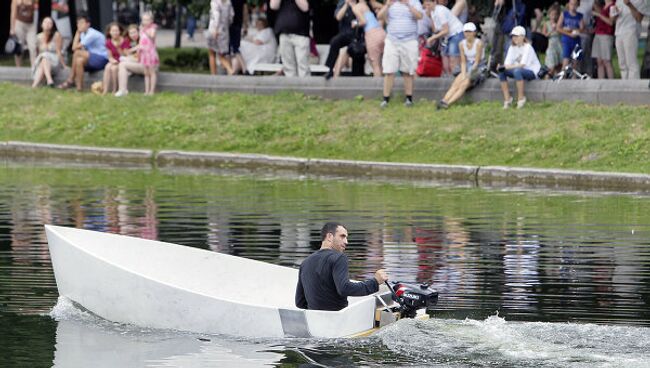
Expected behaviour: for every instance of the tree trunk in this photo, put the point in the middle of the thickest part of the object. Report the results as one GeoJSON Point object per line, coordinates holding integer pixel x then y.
{"type": "Point", "coordinates": [645, 66]}
{"type": "Point", "coordinates": [179, 13]}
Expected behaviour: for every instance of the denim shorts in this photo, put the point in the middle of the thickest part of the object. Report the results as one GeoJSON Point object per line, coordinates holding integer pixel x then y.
{"type": "Point", "coordinates": [452, 48]}
{"type": "Point", "coordinates": [95, 62]}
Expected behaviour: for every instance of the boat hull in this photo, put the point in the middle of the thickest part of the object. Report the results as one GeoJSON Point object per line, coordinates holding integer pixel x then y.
{"type": "Point", "coordinates": [161, 285]}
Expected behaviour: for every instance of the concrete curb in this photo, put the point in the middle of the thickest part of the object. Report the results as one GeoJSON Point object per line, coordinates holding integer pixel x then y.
{"type": "Point", "coordinates": [501, 175]}
{"type": "Point", "coordinates": [594, 91]}
{"type": "Point", "coordinates": [76, 153]}
{"type": "Point", "coordinates": [485, 176]}
{"type": "Point", "coordinates": [228, 160]}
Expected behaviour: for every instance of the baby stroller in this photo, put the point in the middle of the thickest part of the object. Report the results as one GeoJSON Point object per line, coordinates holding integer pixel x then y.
{"type": "Point", "coordinates": [571, 71]}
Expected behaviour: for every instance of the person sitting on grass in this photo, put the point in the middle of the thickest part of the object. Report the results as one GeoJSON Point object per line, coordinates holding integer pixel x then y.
{"type": "Point", "coordinates": [521, 63]}
{"type": "Point", "coordinates": [50, 57]}
{"type": "Point", "coordinates": [471, 55]}
{"type": "Point", "coordinates": [116, 46]}
{"type": "Point", "coordinates": [89, 47]}
{"type": "Point", "coordinates": [570, 25]}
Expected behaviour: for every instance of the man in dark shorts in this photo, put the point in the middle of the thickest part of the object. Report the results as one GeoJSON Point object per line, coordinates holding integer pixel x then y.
{"type": "Point", "coordinates": [323, 281]}
{"type": "Point", "coordinates": [89, 47]}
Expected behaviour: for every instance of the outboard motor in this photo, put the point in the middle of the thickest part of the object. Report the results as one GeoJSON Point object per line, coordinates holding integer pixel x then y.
{"type": "Point", "coordinates": [412, 297]}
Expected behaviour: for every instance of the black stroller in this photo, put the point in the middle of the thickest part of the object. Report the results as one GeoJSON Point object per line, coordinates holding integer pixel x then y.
{"type": "Point", "coordinates": [571, 71]}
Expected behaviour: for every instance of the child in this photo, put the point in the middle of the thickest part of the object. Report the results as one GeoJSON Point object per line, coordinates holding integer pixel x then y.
{"type": "Point", "coordinates": [570, 25]}
{"type": "Point", "coordinates": [221, 17]}
{"type": "Point", "coordinates": [554, 49]}
{"type": "Point", "coordinates": [148, 56]}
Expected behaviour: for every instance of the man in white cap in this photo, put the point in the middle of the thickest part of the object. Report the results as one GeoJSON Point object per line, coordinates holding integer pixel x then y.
{"type": "Point", "coordinates": [521, 63]}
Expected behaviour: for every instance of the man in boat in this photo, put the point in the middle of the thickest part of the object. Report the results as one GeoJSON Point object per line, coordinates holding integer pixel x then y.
{"type": "Point", "coordinates": [323, 281]}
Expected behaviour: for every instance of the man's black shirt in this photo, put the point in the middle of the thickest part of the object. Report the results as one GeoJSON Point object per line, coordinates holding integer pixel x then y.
{"type": "Point", "coordinates": [324, 284]}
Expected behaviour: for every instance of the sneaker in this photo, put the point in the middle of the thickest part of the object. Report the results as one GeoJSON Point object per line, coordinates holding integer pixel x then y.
{"type": "Point", "coordinates": [329, 75]}
{"type": "Point", "coordinates": [507, 103]}
{"type": "Point", "coordinates": [441, 105]}
{"type": "Point", "coordinates": [383, 104]}
{"type": "Point", "coordinates": [521, 103]}
{"type": "Point", "coordinates": [408, 103]}
{"type": "Point", "coordinates": [121, 93]}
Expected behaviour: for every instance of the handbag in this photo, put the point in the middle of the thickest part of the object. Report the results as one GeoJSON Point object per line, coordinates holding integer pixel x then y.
{"type": "Point", "coordinates": [12, 46]}
{"type": "Point", "coordinates": [357, 48]}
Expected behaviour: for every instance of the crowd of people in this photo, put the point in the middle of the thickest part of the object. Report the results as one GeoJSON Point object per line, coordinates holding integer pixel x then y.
{"type": "Point", "coordinates": [118, 52]}
{"type": "Point", "coordinates": [415, 38]}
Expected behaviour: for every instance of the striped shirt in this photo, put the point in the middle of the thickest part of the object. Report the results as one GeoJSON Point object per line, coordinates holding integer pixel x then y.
{"type": "Point", "coordinates": [402, 25]}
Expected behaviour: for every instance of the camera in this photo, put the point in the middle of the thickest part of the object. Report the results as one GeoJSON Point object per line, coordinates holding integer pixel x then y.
{"type": "Point", "coordinates": [501, 69]}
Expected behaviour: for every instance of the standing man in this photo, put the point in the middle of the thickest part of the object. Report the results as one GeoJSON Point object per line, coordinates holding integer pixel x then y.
{"type": "Point", "coordinates": [323, 280]}
{"type": "Point", "coordinates": [89, 53]}
{"type": "Point", "coordinates": [629, 14]}
{"type": "Point", "coordinates": [401, 45]}
{"type": "Point", "coordinates": [292, 24]}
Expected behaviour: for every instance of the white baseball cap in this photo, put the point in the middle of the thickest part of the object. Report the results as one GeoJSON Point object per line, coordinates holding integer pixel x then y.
{"type": "Point", "coordinates": [469, 27]}
{"type": "Point", "coordinates": [518, 31]}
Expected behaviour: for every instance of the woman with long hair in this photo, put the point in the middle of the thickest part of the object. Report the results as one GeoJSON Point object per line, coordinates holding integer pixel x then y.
{"type": "Point", "coordinates": [116, 46]}
{"type": "Point", "coordinates": [50, 56]}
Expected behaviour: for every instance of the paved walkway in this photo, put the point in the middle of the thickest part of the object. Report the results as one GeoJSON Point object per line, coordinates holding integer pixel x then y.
{"type": "Point", "coordinates": [167, 37]}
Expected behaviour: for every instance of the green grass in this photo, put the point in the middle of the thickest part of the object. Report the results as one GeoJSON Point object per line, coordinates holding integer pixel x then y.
{"type": "Point", "coordinates": [551, 135]}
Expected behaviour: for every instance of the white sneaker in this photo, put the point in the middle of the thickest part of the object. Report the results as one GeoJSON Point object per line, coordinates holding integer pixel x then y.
{"type": "Point", "coordinates": [121, 93]}
{"type": "Point", "coordinates": [383, 104]}
{"type": "Point", "coordinates": [521, 103]}
{"type": "Point", "coordinates": [507, 103]}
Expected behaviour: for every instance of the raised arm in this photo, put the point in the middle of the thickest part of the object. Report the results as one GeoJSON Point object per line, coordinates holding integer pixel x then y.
{"type": "Point", "coordinates": [383, 12]}
{"type": "Point", "coordinates": [638, 16]}
{"type": "Point", "coordinates": [415, 12]}
{"type": "Point", "coordinates": [12, 19]}
{"type": "Point", "coordinates": [303, 5]}
{"type": "Point", "coordinates": [275, 4]}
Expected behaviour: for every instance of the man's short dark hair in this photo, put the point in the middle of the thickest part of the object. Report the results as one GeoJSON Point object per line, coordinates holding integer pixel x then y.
{"type": "Point", "coordinates": [329, 228]}
{"type": "Point", "coordinates": [83, 16]}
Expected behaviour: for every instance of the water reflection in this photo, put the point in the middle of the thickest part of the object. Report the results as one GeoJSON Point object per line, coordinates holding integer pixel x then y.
{"type": "Point", "coordinates": [529, 256]}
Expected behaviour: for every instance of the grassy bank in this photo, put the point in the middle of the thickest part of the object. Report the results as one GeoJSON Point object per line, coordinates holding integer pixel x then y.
{"type": "Point", "coordinates": [566, 135]}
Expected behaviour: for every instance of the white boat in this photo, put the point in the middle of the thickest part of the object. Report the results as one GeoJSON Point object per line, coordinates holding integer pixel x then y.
{"type": "Point", "coordinates": [162, 285]}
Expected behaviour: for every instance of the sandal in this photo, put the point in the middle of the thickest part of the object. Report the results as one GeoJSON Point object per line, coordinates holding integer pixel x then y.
{"type": "Point", "coordinates": [65, 85]}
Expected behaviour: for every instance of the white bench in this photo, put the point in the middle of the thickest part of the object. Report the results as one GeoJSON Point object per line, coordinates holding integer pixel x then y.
{"type": "Point", "coordinates": [320, 68]}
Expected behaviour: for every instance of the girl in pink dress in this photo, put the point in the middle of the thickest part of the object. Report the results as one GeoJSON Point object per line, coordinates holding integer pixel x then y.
{"type": "Point", "coordinates": [148, 53]}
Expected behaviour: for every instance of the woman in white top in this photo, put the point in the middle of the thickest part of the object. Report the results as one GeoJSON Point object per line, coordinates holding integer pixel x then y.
{"type": "Point", "coordinates": [521, 64]}
{"type": "Point", "coordinates": [471, 56]}
{"type": "Point", "coordinates": [257, 48]}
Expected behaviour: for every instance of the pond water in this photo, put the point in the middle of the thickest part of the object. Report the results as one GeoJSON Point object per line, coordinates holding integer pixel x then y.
{"type": "Point", "coordinates": [526, 278]}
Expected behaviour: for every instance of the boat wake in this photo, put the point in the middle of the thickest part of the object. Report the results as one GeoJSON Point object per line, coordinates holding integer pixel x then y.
{"type": "Point", "coordinates": [495, 341]}
{"type": "Point", "coordinates": [440, 342]}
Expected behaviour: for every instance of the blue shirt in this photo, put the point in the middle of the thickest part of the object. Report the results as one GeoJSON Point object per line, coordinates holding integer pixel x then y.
{"type": "Point", "coordinates": [402, 25]}
{"type": "Point", "coordinates": [572, 22]}
{"type": "Point", "coordinates": [94, 42]}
